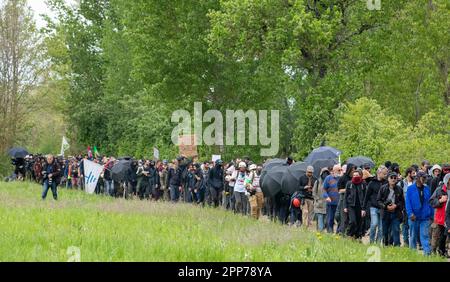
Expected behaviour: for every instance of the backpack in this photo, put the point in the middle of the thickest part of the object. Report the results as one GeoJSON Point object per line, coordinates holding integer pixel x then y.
{"type": "Point", "coordinates": [434, 199]}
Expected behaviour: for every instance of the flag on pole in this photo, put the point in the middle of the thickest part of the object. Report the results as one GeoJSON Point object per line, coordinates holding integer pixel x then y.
{"type": "Point", "coordinates": [91, 174]}
{"type": "Point", "coordinates": [96, 153]}
{"type": "Point", "coordinates": [64, 146]}
{"type": "Point", "coordinates": [156, 153]}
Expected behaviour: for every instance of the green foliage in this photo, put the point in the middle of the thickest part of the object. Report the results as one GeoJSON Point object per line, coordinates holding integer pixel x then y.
{"type": "Point", "coordinates": [125, 66]}
{"type": "Point", "coordinates": [364, 128]}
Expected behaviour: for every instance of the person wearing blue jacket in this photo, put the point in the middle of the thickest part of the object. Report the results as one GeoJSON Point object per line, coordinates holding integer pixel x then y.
{"type": "Point", "coordinates": [419, 213]}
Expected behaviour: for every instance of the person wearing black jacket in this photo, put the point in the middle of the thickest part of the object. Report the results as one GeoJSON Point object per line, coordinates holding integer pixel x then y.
{"type": "Point", "coordinates": [342, 182]}
{"type": "Point", "coordinates": [174, 181]}
{"type": "Point", "coordinates": [215, 182]}
{"type": "Point", "coordinates": [371, 204]}
{"type": "Point", "coordinates": [154, 182]}
{"type": "Point", "coordinates": [51, 177]}
{"type": "Point", "coordinates": [306, 183]}
{"type": "Point", "coordinates": [355, 191]}
{"type": "Point", "coordinates": [391, 202]}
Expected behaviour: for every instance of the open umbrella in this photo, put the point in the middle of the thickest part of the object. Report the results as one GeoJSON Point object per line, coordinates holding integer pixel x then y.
{"type": "Point", "coordinates": [272, 182]}
{"type": "Point", "coordinates": [291, 179]}
{"type": "Point", "coordinates": [359, 161]}
{"type": "Point", "coordinates": [18, 152]}
{"type": "Point", "coordinates": [319, 164]}
{"type": "Point", "coordinates": [125, 158]}
{"type": "Point", "coordinates": [269, 165]}
{"type": "Point", "coordinates": [323, 153]}
{"type": "Point", "coordinates": [120, 170]}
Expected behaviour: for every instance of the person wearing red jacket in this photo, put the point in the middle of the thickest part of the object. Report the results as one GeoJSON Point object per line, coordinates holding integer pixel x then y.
{"type": "Point", "coordinates": [439, 201]}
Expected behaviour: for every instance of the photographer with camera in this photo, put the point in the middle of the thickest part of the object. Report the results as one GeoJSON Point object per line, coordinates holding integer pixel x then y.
{"type": "Point", "coordinates": [51, 175]}
{"type": "Point", "coordinates": [391, 202]}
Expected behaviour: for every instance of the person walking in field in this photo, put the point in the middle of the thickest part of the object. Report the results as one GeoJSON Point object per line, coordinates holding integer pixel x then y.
{"type": "Point", "coordinates": [419, 213]}
{"type": "Point", "coordinates": [371, 204]}
{"type": "Point", "coordinates": [439, 201]}
{"type": "Point", "coordinates": [390, 200]}
{"type": "Point", "coordinates": [305, 188]}
{"type": "Point", "coordinates": [320, 204]}
{"type": "Point", "coordinates": [51, 175]}
{"type": "Point", "coordinates": [355, 192]}
{"type": "Point", "coordinates": [331, 195]}
{"type": "Point", "coordinates": [256, 195]}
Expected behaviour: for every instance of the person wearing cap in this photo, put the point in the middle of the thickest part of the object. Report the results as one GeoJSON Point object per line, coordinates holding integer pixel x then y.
{"type": "Point", "coordinates": [305, 188]}
{"type": "Point", "coordinates": [320, 205]}
{"type": "Point", "coordinates": [371, 204]}
{"type": "Point", "coordinates": [419, 213]}
{"type": "Point", "coordinates": [439, 201]}
{"type": "Point", "coordinates": [256, 195]}
{"type": "Point", "coordinates": [239, 177]}
{"type": "Point", "coordinates": [390, 201]}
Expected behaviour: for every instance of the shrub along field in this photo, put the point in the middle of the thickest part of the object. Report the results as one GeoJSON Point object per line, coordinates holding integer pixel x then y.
{"type": "Point", "coordinates": [106, 229]}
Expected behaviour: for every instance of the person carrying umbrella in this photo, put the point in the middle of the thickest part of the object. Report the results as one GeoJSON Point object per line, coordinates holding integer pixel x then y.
{"type": "Point", "coordinates": [51, 174]}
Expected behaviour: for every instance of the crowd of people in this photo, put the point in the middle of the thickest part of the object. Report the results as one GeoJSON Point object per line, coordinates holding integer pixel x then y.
{"type": "Point", "coordinates": [345, 199]}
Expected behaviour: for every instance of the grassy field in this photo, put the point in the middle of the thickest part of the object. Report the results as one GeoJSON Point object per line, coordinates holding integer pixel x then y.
{"type": "Point", "coordinates": [106, 229]}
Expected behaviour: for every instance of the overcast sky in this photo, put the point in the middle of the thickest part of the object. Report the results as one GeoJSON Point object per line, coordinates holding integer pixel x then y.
{"type": "Point", "coordinates": [39, 7]}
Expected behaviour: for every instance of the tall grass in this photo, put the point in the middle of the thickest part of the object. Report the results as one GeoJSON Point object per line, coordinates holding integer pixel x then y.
{"type": "Point", "coordinates": [106, 229]}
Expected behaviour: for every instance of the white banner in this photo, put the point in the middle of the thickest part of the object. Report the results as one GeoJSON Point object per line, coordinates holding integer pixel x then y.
{"type": "Point", "coordinates": [156, 153]}
{"type": "Point", "coordinates": [216, 157]}
{"type": "Point", "coordinates": [91, 174]}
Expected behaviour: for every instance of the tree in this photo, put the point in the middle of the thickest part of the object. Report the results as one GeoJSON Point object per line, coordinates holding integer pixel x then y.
{"type": "Point", "coordinates": [21, 66]}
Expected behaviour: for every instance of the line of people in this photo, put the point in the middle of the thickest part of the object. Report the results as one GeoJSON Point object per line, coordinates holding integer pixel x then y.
{"type": "Point", "coordinates": [345, 199]}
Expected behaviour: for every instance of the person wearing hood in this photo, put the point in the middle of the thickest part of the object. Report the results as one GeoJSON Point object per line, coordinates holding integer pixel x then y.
{"type": "Point", "coordinates": [371, 204]}
{"type": "Point", "coordinates": [439, 201]}
{"type": "Point", "coordinates": [436, 177]}
{"type": "Point", "coordinates": [355, 191]}
{"type": "Point", "coordinates": [320, 204]}
{"type": "Point", "coordinates": [216, 182]}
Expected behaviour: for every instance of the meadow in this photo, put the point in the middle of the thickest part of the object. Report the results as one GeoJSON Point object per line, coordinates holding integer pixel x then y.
{"type": "Point", "coordinates": [104, 229]}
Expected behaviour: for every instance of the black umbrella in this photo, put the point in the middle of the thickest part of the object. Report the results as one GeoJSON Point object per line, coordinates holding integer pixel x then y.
{"type": "Point", "coordinates": [323, 153]}
{"type": "Point", "coordinates": [18, 152]}
{"type": "Point", "coordinates": [269, 165]}
{"type": "Point", "coordinates": [319, 164]}
{"type": "Point", "coordinates": [120, 170]}
{"type": "Point", "coordinates": [273, 162]}
{"type": "Point", "coordinates": [272, 182]}
{"type": "Point", "coordinates": [125, 158]}
{"type": "Point", "coordinates": [360, 161]}
{"type": "Point", "coordinates": [291, 179]}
